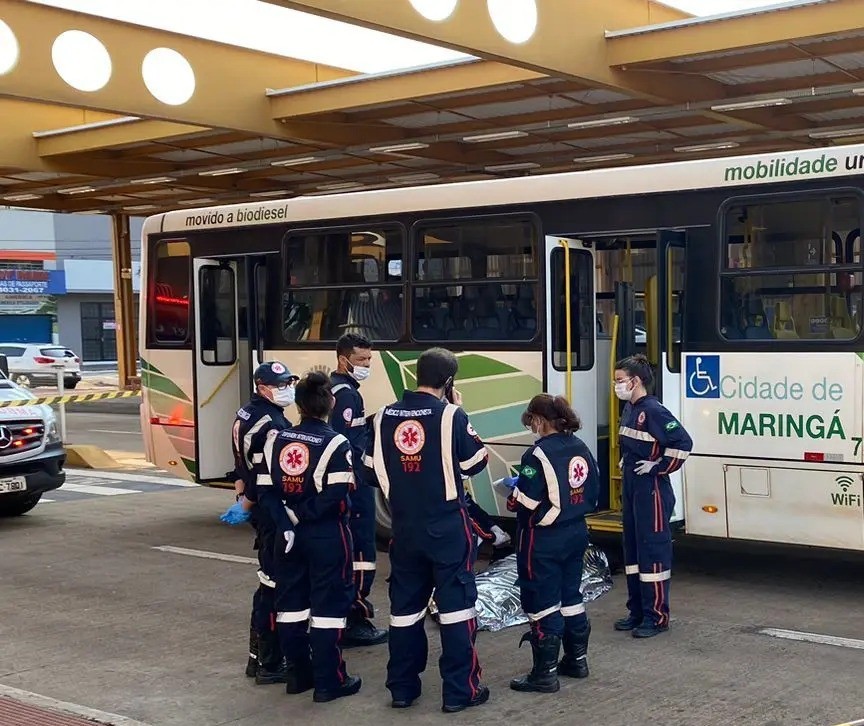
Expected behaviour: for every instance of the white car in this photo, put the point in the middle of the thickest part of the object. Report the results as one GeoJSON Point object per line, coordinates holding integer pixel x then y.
{"type": "Point", "coordinates": [36, 364]}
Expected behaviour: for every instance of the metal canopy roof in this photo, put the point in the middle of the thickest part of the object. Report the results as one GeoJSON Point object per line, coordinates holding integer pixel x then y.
{"type": "Point", "coordinates": [621, 82]}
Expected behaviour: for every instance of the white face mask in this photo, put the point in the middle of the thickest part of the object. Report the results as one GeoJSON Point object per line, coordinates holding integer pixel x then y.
{"type": "Point", "coordinates": [623, 391]}
{"type": "Point", "coordinates": [360, 373]}
{"type": "Point", "coordinates": [283, 396]}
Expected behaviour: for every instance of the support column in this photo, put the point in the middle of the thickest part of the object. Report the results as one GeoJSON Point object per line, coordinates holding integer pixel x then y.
{"type": "Point", "coordinates": [124, 303]}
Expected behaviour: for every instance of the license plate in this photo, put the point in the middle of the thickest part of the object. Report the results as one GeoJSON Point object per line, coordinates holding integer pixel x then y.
{"type": "Point", "coordinates": [15, 484]}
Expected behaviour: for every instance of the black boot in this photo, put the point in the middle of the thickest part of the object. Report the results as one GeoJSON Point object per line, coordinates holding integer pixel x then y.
{"type": "Point", "coordinates": [361, 633]}
{"type": "Point", "coordinates": [348, 688]}
{"type": "Point", "coordinates": [574, 664]}
{"type": "Point", "coordinates": [300, 677]}
{"type": "Point", "coordinates": [271, 666]}
{"type": "Point", "coordinates": [631, 622]}
{"type": "Point", "coordinates": [252, 662]}
{"type": "Point", "coordinates": [543, 677]}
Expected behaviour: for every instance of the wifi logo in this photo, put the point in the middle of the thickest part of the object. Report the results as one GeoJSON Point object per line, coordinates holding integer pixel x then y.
{"type": "Point", "coordinates": [844, 482]}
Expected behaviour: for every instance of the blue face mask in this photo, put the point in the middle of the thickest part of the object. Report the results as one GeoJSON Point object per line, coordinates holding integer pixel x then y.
{"type": "Point", "coordinates": [283, 396]}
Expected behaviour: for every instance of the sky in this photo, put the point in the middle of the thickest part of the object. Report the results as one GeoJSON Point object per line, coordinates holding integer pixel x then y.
{"type": "Point", "coordinates": [267, 27]}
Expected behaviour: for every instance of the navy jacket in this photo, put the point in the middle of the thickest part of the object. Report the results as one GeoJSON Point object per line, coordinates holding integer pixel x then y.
{"type": "Point", "coordinates": [559, 482]}
{"type": "Point", "coordinates": [310, 475]}
{"type": "Point", "coordinates": [418, 451]}
{"type": "Point", "coordinates": [248, 435]}
{"type": "Point", "coordinates": [349, 414]}
{"type": "Point", "coordinates": [649, 432]}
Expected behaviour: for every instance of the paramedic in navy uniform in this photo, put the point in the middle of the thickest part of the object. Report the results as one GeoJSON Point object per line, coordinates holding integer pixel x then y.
{"type": "Point", "coordinates": [353, 360]}
{"type": "Point", "coordinates": [311, 473]}
{"type": "Point", "coordinates": [558, 485]}
{"type": "Point", "coordinates": [419, 449]}
{"type": "Point", "coordinates": [653, 445]}
{"type": "Point", "coordinates": [274, 390]}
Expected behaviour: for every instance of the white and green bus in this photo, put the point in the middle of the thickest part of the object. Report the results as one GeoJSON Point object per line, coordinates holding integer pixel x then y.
{"type": "Point", "coordinates": [740, 278]}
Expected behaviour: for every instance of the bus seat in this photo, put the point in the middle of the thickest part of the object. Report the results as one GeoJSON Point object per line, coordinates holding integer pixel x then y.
{"type": "Point", "coordinates": [755, 322]}
{"type": "Point", "coordinates": [784, 324]}
{"type": "Point", "coordinates": [842, 325]}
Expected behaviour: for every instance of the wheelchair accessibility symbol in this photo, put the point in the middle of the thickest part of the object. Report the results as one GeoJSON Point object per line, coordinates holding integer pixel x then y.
{"type": "Point", "coordinates": [703, 376]}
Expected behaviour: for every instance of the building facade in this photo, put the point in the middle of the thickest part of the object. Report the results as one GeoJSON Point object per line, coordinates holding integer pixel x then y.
{"type": "Point", "coordinates": [57, 281]}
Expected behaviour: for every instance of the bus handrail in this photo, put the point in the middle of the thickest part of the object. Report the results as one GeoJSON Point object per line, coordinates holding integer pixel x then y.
{"type": "Point", "coordinates": [568, 336]}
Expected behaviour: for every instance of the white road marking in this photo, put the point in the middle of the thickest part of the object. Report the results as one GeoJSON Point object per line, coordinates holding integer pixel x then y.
{"type": "Point", "coordinates": [39, 701]}
{"type": "Point", "coordinates": [204, 554]}
{"type": "Point", "coordinates": [46, 501]}
{"type": "Point", "coordinates": [112, 431]}
{"type": "Point", "coordinates": [131, 477]}
{"type": "Point", "coordinates": [103, 490]}
{"type": "Point", "coordinates": [813, 638]}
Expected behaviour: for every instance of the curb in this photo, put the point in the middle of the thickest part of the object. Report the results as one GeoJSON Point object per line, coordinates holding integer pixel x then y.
{"type": "Point", "coordinates": [85, 456]}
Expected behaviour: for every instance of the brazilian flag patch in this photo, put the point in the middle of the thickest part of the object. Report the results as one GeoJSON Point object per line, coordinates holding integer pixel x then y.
{"type": "Point", "coordinates": [672, 425]}
{"type": "Point", "coordinates": [528, 472]}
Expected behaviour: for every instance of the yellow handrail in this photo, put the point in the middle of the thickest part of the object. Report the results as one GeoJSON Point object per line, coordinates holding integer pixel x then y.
{"type": "Point", "coordinates": [568, 336]}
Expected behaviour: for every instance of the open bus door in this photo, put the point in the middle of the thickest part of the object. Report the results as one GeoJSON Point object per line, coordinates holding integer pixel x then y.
{"type": "Point", "coordinates": [217, 369]}
{"type": "Point", "coordinates": [572, 366]}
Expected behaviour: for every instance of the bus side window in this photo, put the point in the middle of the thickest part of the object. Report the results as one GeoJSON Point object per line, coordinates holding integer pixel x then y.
{"type": "Point", "coordinates": [218, 311]}
{"type": "Point", "coordinates": [168, 321]}
{"type": "Point", "coordinates": [583, 321]}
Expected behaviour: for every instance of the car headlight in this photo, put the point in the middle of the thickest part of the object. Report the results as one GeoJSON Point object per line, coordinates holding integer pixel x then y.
{"type": "Point", "coordinates": [52, 434]}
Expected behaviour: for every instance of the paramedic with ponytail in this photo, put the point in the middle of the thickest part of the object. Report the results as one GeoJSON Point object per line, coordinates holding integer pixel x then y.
{"type": "Point", "coordinates": [653, 445]}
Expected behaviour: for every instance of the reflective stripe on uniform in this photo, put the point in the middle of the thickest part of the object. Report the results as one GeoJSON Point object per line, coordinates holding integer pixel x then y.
{"type": "Point", "coordinates": [316, 621]}
{"type": "Point", "coordinates": [293, 517]}
{"type": "Point", "coordinates": [294, 616]}
{"type": "Point", "coordinates": [257, 458]}
{"type": "Point", "coordinates": [247, 439]}
{"type": "Point", "coordinates": [655, 576]}
{"type": "Point", "coordinates": [339, 387]}
{"type": "Point", "coordinates": [552, 488]}
{"type": "Point", "coordinates": [450, 491]}
{"type": "Point", "coordinates": [631, 569]}
{"type": "Point", "coordinates": [367, 566]}
{"type": "Point", "coordinates": [378, 458]}
{"type": "Point", "coordinates": [525, 500]}
{"type": "Point", "coordinates": [571, 610]}
{"type": "Point", "coordinates": [636, 434]}
{"type": "Point", "coordinates": [458, 616]}
{"type": "Point", "coordinates": [534, 617]}
{"type": "Point", "coordinates": [676, 454]}
{"type": "Point", "coordinates": [264, 580]}
{"type": "Point", "coordinates": [406, 621]}
{"type": "Point", "coordinates": [358, 422]}
{"type": "Point", "coordinates": [340, 477]}
{"type": "Point", "coordinates": [368, 461]}
{"type": "Point", "coordinates": [474, 460]}
{"type": "Point", "coordinates": [268, 447]}
{"type": "Point", "coordinates": [263, 480]}
{"type": "Point", "coordinates": [327, 454]}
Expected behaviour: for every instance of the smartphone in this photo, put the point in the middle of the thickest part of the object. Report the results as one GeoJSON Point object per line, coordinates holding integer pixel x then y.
{"type": "Point", "coordinates": [448, 391]}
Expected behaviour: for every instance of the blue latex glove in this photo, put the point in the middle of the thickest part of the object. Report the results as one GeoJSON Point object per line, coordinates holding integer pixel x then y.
{"type": "Point", "coordinates": [235, 514]}
{"type": "Point", "coordinates": [506, 485]}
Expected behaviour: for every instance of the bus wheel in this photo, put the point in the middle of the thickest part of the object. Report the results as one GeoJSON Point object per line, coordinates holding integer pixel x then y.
{"type": "Point", "coordinates": [383, 521]}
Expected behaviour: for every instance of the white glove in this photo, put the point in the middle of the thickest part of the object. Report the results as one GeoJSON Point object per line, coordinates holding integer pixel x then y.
{"type": "Point", "coordinates": [289, 541]}
{"type": "Point", "coordinates": [478, 539]}
{"type": "Point", "coordinates": [645, 467]}
{"type": "Point", "coordinates": [621, 464]}
{"type": "Point", "coordinates": [501, 537]}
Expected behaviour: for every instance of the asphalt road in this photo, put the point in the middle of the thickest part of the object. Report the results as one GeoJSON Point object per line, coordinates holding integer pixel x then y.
{"type": "Point", "coordinates": [95, 613]}
{"type": "Point", "coordinates": [111, 431]}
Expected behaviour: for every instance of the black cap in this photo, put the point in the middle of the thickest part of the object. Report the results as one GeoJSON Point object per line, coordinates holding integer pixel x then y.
{"type": "Point", "coordinates": [273, 373]}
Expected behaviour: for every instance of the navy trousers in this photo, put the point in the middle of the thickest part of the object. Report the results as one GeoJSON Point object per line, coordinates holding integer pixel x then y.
{"type": "Point", "coordinates": [365, 553]}
{"type": "Point", "coordinates": [264, 600]}
{"type": "Point", "coordinates": [648, 503]}
{"type": "Point", "coordinates": [314, 591]}
{"type": "Point", "coordinates": [435, 555]}
{"type": "Point", "coordinates": [549, 563]}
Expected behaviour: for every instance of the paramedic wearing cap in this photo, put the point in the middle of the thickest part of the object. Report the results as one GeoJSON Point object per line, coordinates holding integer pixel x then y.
{"type": "Point", "coordinates": [274, 390]}
{"type": "Point", "coordinates": [419, 448]}
{"type": "Point", "coordinates": [653, 445]}
{"type": "Point", "coordinates": [353, 360]}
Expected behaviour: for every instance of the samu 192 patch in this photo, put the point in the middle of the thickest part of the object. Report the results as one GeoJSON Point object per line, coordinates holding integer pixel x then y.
{"type": "Point", "coordinates": [528, 472]}
{"type": "Point", "coordinates": [672, 425]}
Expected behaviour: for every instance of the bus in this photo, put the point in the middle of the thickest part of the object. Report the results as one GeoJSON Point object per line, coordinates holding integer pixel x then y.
{"type": "Point", "coordinates": [740, 278]}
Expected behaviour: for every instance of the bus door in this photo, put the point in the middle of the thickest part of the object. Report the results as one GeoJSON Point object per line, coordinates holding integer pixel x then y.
{"type": "Point", "coordinates": [670, 305]}
{"type": "Point", "coordinates": [572, 364]}
{"type": "Point", "coordinates": [217, 369]}
{"type": "Point", "coordinates": [262, 284]}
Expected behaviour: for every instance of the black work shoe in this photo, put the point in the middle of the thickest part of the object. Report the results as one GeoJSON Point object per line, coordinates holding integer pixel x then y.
{"type": "Point", "coordinates": [363, 633]}
{"type": "Point", "coordinates": [252, 666]}
{"type": "Point", "coordinates": [402, 702]}
{"type": "Point", "coordinates": [628, 623]}
{"type": "Point", "coordinates": [478, 700]}
{"type": "Point", "coordinates": [267, 676]}
{"type": "Point", "coordinates": [299, 680]}
{"type": "Point", "coordinates": [349, 688]}
{"type": "Point", "coordinates": [649, 630]}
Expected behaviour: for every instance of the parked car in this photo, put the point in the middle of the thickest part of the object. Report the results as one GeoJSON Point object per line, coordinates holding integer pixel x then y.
{"type": "Point", "coordinates": [33, 364]}
{"type": "Point", "coordinates": [31, 451]}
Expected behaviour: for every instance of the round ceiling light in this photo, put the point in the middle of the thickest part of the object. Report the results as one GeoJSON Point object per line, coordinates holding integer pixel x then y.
{"type": "Point", "coordinates": [168, 76]}
{"type": "Point", "coordinates": [435, 10]}
{"type": "Point", "coordinates": [81, 60]}
{"type": "Point", "coordinates": [8, 49]}
{"type": "Point", "coordinates": [515, 20]}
